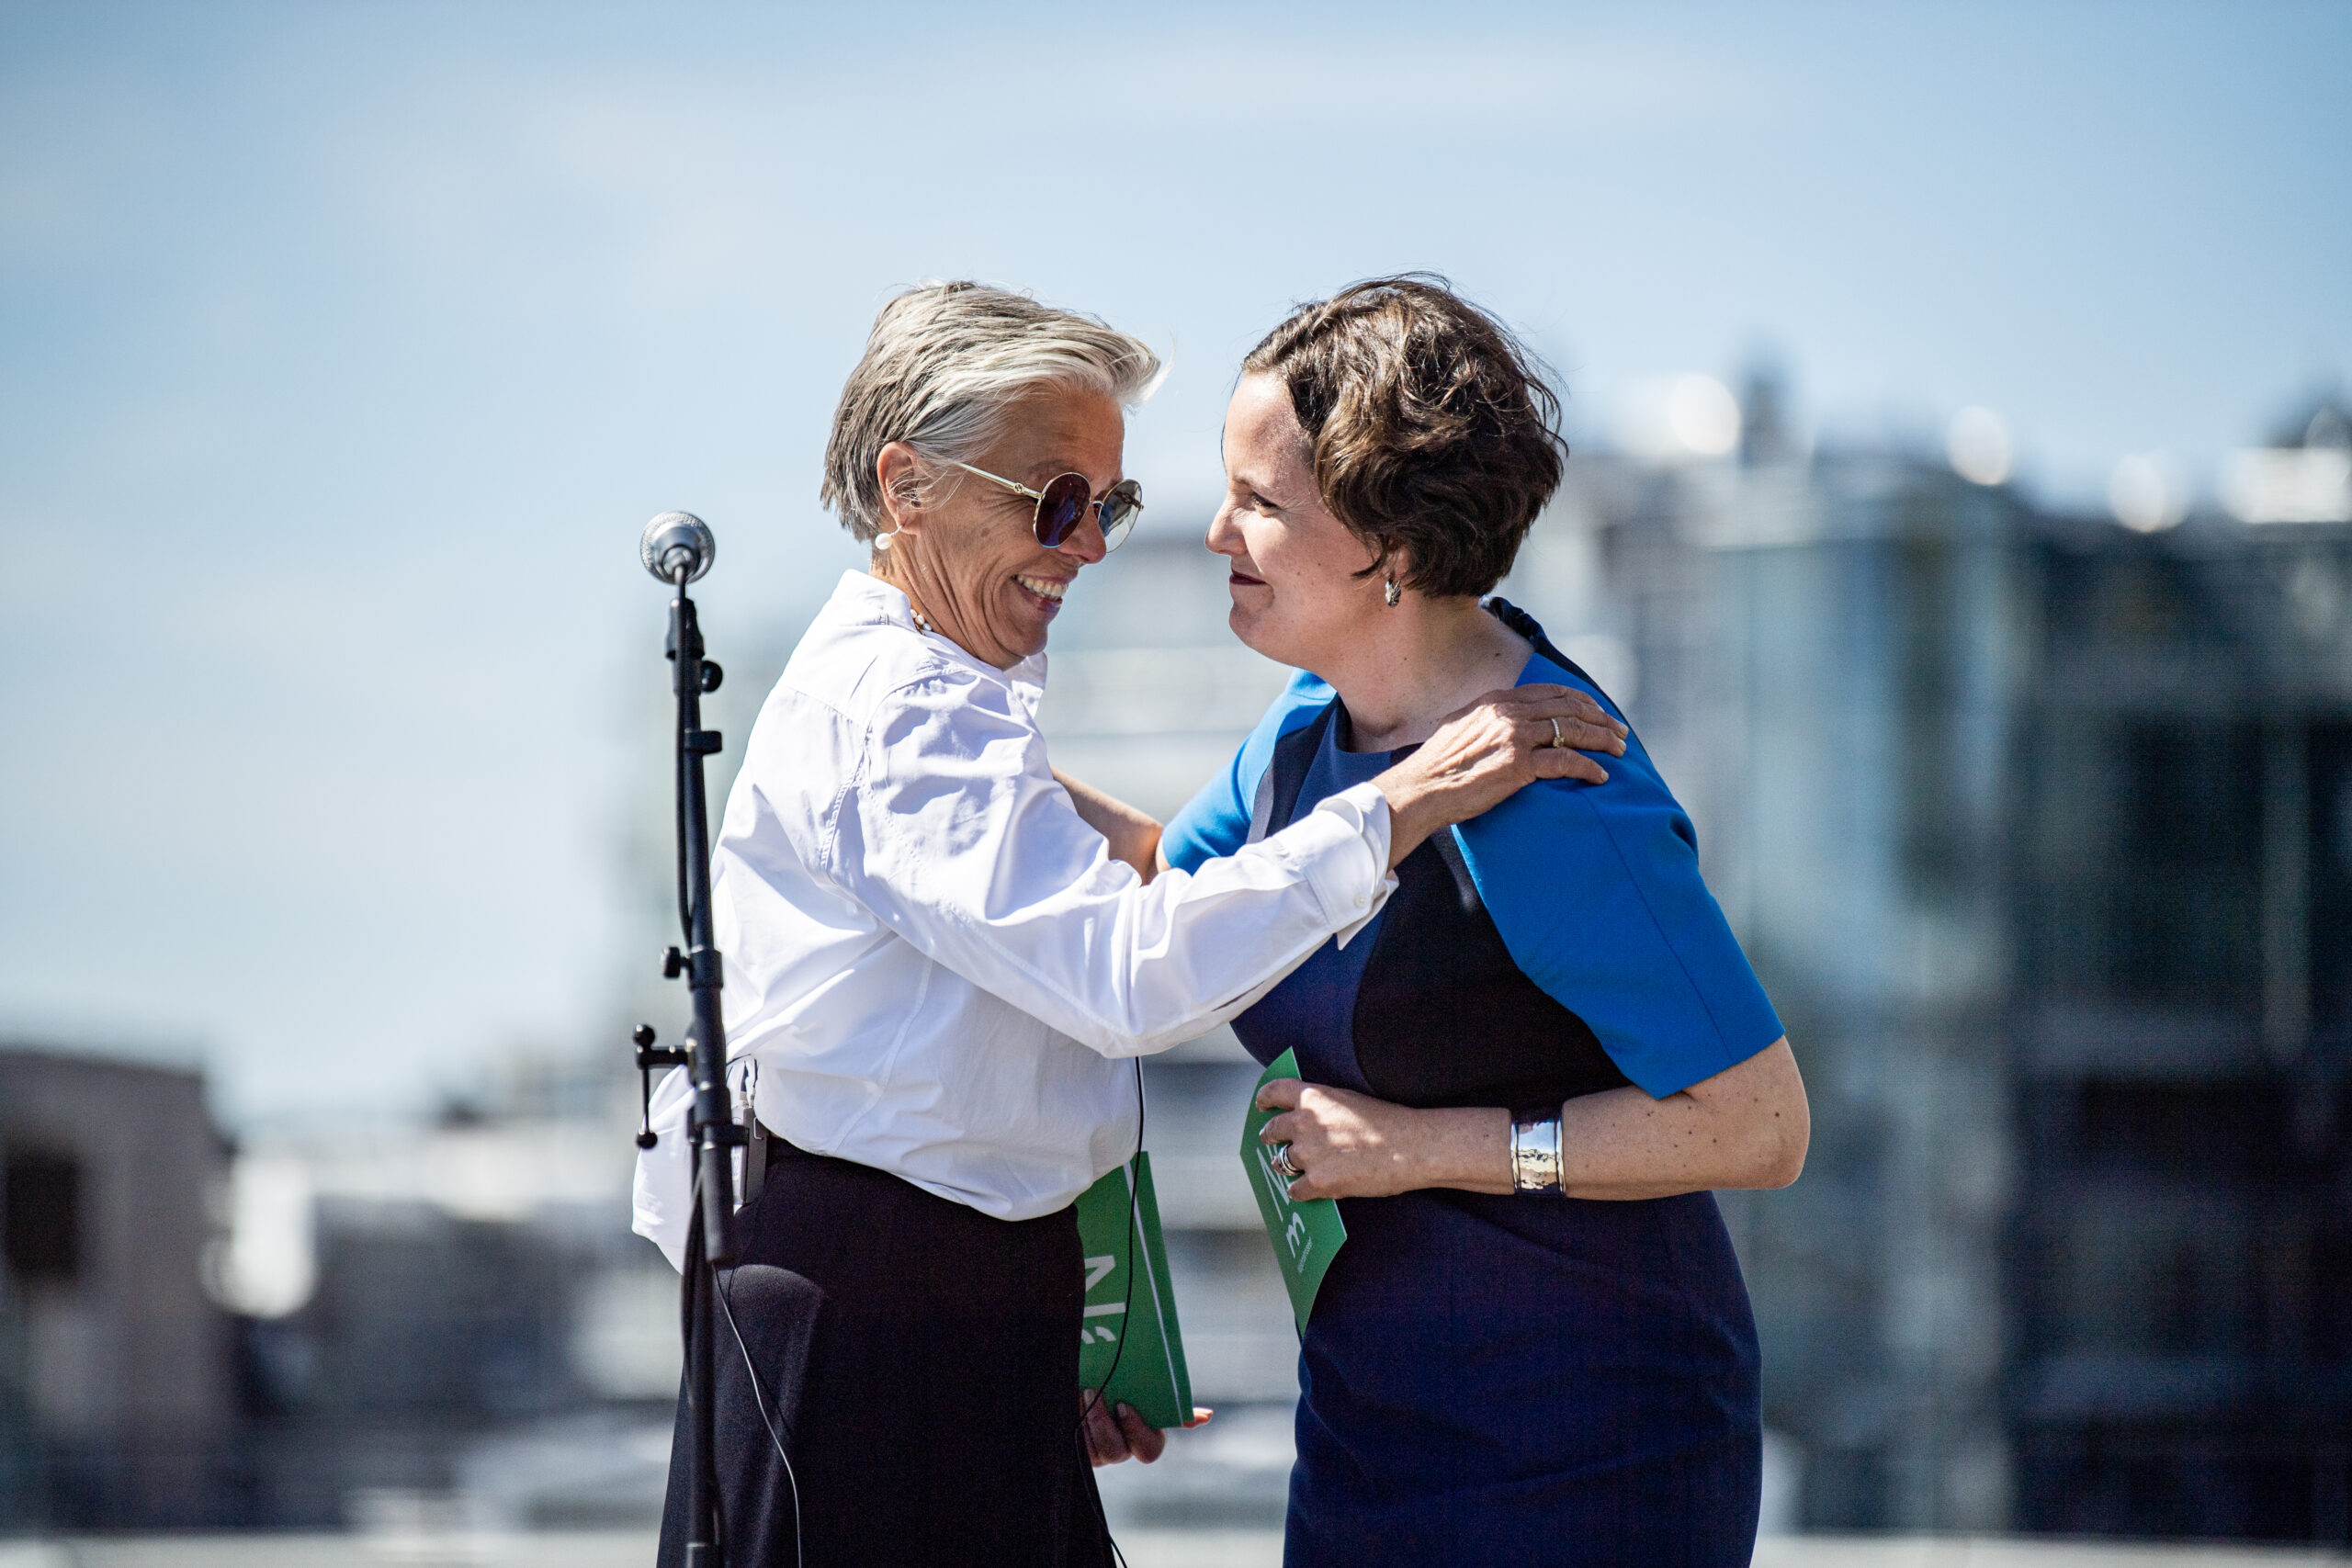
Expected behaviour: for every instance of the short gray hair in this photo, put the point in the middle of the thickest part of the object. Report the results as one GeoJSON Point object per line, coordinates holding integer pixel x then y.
{"type": "Point", "coordinates": [944, 363]}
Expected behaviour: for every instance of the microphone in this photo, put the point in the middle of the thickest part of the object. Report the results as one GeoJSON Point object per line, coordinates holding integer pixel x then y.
{"type": "Point", "coordinates": [677, 542]}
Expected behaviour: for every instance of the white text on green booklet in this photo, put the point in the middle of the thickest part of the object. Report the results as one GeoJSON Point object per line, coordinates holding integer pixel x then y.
{"type": "Point", "coordinates": [1307, 1234]}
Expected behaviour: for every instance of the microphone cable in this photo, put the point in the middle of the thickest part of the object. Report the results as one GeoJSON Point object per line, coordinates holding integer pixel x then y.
{"type": "Point", "coordinates": [759, 1400]}
{"type": "Point", "coordinates": [694, 1267]}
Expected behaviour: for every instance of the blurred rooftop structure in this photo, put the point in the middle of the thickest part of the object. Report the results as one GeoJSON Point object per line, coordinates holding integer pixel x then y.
{"type": "Point", "coordinates": [115, 1380]}
{"type": "Point", "coordinates": [2040, 828]}
{"type": "Point", "coordinates": [1141, 1548]}
{"type": "Point", "coordinates": [2038, 825]}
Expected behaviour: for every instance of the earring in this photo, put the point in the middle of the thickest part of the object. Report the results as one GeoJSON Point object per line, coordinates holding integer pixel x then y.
{"type": "Point", "coordinates": [882, 541]}
{"type": "Point", "coordinates": [1389, 593]}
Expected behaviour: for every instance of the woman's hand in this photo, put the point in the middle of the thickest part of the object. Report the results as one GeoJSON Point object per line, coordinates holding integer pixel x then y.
{"type": "Point", "coordinates": [1352, 1145]}
{"type": "Point", "coordinates": [1489, 750]}
{"type": "Point", "coordinates": [1113, 1438]}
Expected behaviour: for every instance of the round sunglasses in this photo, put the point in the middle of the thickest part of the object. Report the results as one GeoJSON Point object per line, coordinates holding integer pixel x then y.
{"type": "Point", "coordinates": [1065, 501]}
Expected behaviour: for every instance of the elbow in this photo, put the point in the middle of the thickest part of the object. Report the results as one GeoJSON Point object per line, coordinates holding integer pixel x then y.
{"type": "Point", "coordinates": [1144, 1023]}
{"type": "Point", "coordinates": [1780, 1123]}
{"type": "Point", "coordinates": [1785, 1162]}
{"type": "Point", "coordinates": [1788, 1135]}
{"type": "Point", "coordinates": [1126, 1038]}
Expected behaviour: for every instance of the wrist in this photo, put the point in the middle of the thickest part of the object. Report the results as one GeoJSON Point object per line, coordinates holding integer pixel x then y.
{"type": "Point", "coordinates": [1145, 856]}
{"type": "Point", "coordinates": [1413, 815]}
{"type": "Point", "coordinates": [1468, 1148]}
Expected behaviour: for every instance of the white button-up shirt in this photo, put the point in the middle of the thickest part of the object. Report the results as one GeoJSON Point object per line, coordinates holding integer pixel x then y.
{"type": "Point", "coordinates": [934, 963]}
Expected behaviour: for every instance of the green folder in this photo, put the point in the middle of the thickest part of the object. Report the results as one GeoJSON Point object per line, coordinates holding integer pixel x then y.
{"type": "Point", "coordinates": [1307, 1234]}
{"type": "Point", "coordinates": [1128, 1344]}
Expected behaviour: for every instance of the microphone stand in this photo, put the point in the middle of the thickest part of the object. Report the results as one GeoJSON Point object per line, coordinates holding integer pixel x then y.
{"type": "Point", "coordinates": [711, 1128]}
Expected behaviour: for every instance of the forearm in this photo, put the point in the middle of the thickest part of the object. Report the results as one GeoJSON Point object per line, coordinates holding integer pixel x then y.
{"type": "Point", "coordinates": [1623, 1144]}
{"type": "Point", "coordinates": [1125, 967]}
{"type": "Point", "coordinates": [1464, 1149]}
{"type": "Point", "coordinates": [1132, 835]}
{"type": "Point", "coordinates": [1618, 1145]}
{"type": "Point", "coordinates": [1747, 1126]}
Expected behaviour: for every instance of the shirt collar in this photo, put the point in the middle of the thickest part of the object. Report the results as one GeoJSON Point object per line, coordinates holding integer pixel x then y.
{"type": "Point", "coordinates": [870, 600]}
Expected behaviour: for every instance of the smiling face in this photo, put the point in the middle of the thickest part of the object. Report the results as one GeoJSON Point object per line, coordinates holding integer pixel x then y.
{"type": "Point", "coordinates": [968, 552]}
{"type": "Point", "coordinates": [1295, 596]}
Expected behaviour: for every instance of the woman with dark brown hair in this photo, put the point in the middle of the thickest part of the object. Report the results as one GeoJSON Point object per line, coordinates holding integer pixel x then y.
{"type": "Point", "coordinates": [941, 955]}
{"type": "Point", "coordinates": [1523, 1080]}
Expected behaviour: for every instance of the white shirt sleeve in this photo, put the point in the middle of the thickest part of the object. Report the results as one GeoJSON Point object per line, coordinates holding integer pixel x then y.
{"type": "Point", "coordinates": [662, 1195]}
{"type": "Point", "coordinates": [957, 838]}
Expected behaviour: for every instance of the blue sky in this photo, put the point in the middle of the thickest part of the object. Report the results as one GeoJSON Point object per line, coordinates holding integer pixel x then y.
{"type": "Point", "coordinates": [344, 350]}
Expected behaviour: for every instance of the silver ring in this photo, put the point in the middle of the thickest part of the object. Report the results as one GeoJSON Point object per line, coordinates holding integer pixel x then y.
{"type": "Point", "coordinates": [1558, 740]}
{"type": "Point", "coordinates": [1282, 1163]}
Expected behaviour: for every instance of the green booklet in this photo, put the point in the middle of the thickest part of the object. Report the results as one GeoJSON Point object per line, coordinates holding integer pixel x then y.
{"type": "Point", "coordinates": [1129, 1346]}
{"type": "Point", "coordinates": [1307, 1235]}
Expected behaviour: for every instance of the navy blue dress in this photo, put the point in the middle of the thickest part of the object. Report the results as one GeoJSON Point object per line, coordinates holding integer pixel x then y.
{"type": "Point", "coordinates": [1490, 1380]}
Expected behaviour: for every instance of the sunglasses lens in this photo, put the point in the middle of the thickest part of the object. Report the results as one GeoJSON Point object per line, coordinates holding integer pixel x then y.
{"type": "Point", "coordinates": [1120, 509]}
{"type": "Point", "coordinates": [1063, 505]}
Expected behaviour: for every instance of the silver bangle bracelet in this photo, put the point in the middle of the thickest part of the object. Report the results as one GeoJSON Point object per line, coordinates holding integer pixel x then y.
{"type": "Point", "coordinates": [1535, 1156]}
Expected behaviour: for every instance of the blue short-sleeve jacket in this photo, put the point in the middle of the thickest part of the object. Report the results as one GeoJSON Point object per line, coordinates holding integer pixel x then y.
{"type": "Point", "coordinates": [1595, 889]}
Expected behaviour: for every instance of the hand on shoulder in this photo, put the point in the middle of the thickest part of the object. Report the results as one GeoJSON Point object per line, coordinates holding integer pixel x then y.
{"type": "Point", "coordinates": [1485, 753]}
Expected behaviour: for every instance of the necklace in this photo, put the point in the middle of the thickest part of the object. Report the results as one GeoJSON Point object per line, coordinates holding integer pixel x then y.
{"type": "Point", "coordinates": [922, 622]}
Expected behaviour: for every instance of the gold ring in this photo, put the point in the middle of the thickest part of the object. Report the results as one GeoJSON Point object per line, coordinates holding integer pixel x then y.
{"type": "Point", "coordinates": [1558, 740]}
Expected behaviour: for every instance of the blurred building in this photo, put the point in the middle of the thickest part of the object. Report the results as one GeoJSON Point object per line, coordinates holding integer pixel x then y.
{"type": "Point", "coordinates": [2039, 828]}
{"type": "Point", "coordinates": [2036, 828]}
{"type": "Point", "coordinates": [2180, 902]}
{"type": "Point", "coordinates": [374, 1326]}
{"type": "Point", "coordinates": [451, 1325]}
{"type": "Point", "coordinates": [1823, 655]}
{"type": "Point", "coordinates": [116, 1402]}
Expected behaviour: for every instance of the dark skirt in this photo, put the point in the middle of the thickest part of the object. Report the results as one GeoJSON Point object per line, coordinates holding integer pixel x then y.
{"type": "Point", "coordinates": [919, 1361]}
{"type": "Point", "coordinates": [1489, 1381]}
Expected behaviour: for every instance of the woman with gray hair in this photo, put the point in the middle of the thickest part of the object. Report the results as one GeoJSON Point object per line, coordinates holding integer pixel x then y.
{"type": "Point", "coordinates": [940, 954]}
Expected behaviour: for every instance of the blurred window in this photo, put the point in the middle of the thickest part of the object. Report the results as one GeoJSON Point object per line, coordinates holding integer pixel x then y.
{"type": "Point", "coordinates": [2172, 1218]}
{"type": "Point", "coordinates": [2188, 887]}
{"type": "Point", "coordinates": [2331, 880]}
{"type": "Point", "coordinates": [2208, 1129]}
{"type": "Point", "coordinates": [41, 1220]}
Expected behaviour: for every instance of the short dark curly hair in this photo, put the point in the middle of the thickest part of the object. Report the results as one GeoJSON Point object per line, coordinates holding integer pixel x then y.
{"type": "Point", "coordinates": [1435, 438]}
